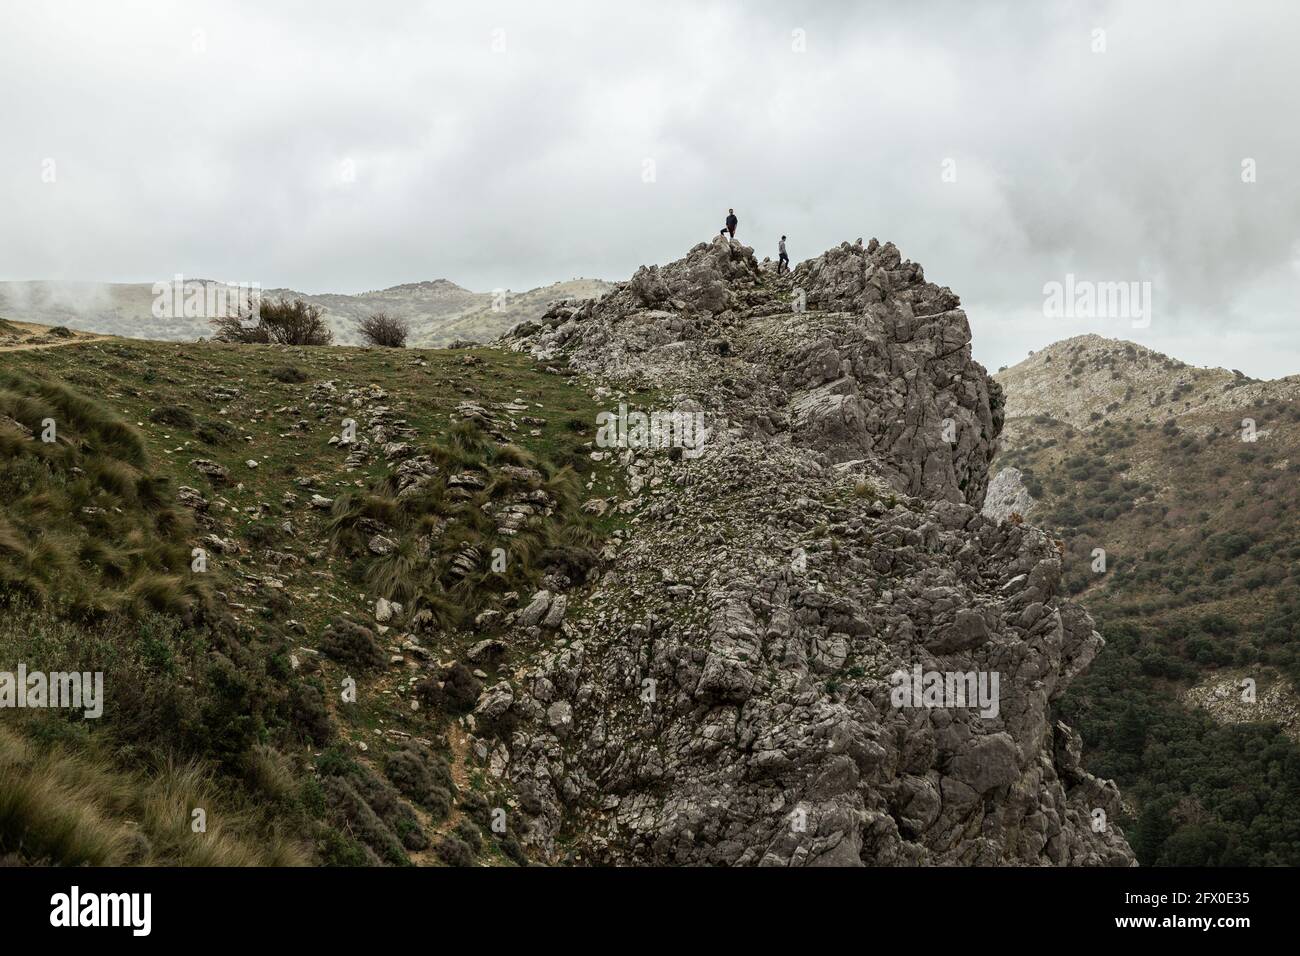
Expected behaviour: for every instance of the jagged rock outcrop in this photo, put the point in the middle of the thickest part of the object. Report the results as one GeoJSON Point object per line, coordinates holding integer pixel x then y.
{"type": "Point", "coordinates": [854, 353]}
{"type": "Point", "coordinates": [726, 693]}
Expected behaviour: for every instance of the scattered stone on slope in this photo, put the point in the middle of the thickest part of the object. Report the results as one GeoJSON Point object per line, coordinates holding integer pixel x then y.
{"type": "Point", "coordinates": [216, 473]}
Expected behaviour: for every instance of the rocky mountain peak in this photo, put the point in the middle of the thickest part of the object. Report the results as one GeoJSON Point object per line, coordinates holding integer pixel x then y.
{"type": "Point", "coordinates": [735, 686]}
{"type": "Point", "coordinates": [431, 286]}
{"type": "Point", "coordinates": [853, 355]}
{"type": "Point", "coordinates": [1088, 379]}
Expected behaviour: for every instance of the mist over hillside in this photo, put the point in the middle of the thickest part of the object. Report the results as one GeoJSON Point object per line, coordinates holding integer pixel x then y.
{"type": "Point", "coordinates": [439, 312]}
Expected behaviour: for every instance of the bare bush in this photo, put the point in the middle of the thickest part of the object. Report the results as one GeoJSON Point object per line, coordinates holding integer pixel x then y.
{"type": "Point", "coordinates": [280, 322]}
{"type": "Point", "coordinates": [232, 328]}
{"type": "Point", "coordinates": [295, 323]}
{"type": "Point", "coordinates": [386, 331]}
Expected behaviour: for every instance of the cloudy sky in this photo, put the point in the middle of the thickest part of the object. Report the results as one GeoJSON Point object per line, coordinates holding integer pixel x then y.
{"type": "Point", "coordinates": [344, 146]}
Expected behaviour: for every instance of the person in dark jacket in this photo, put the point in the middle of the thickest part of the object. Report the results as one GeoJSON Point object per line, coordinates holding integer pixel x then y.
{"type": "Point", "coordinates": [782, 264]}
{"type": "Point", "coordinates": [732, 222]}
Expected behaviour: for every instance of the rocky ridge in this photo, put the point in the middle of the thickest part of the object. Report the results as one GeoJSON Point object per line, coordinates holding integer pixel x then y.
{"type": "Point", "coordinates": [722, 694]}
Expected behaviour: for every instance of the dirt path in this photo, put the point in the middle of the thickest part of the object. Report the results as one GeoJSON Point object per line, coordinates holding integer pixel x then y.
{"type": "Point", "coordinates": [26, 336]}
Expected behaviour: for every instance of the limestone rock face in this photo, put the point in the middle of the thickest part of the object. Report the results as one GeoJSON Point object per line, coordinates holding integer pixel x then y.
{"type": "Point", "coordinates": [1007, 495]}
{"type": "Point", "coordinates": [811, 648]}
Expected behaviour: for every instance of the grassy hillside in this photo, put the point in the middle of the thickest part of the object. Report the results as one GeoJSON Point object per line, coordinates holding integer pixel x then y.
{"type": "Point", "coordinates": [205, 534]}
{"type": "Point", "coordinates": [1146, 459]}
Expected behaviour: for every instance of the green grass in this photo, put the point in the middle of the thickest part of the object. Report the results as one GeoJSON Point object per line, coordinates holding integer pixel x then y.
{"type": "Point", "coordinates": [86, 524]}
{"type": "Point", "coordinates": [200, 693]}
{"type": "Point", "coordinates": [453, 522]}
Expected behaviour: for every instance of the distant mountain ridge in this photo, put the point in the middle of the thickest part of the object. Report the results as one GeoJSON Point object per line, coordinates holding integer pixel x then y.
{"type": "Point", "coordinates": [1173, 492]}
{"type": "Point", "coordinates": [1088, 378]}
{"type": "Point", "coordinates": [439, 311]}
{"type": "Point", "coordinates": [1118, 443]}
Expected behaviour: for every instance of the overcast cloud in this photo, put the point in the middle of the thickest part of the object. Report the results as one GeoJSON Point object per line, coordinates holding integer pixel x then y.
{"type": "Point", "coordinates": [344, 146]}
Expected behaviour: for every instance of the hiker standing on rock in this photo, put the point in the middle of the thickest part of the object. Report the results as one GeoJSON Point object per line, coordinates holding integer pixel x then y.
{"type": "Point", "coordinates": [732, 222]}
{"type": "Point", "coordinates": [782, 264]}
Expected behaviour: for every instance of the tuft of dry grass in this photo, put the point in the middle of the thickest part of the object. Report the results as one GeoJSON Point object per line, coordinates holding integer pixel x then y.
{"type": "Point", "coordinates": [73, 809]}
{"type": "Point", "coordinates": [84, 523]}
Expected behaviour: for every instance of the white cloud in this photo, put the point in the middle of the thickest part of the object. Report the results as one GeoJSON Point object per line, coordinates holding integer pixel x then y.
{"type": "Point", "coordinates": [517, 168]}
